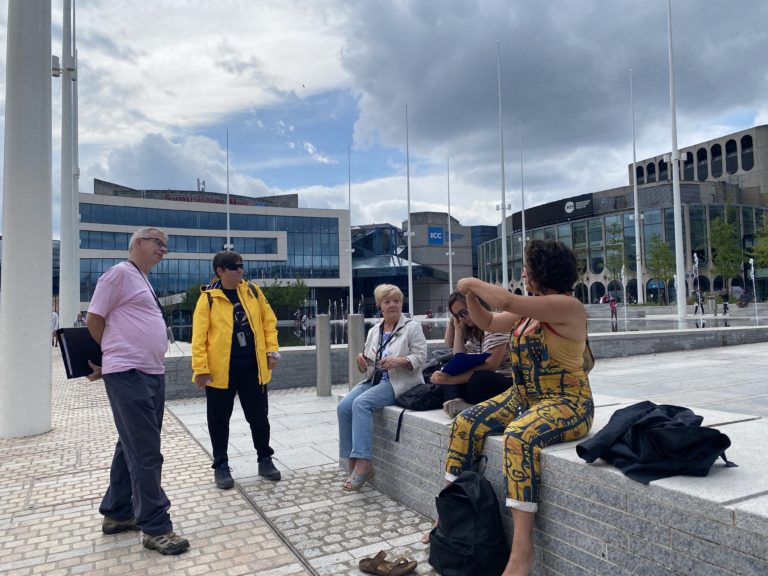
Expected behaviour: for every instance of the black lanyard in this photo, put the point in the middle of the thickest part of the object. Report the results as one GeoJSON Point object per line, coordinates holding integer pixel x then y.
{"type": "Point", "coordinates": [159, 306]}
{"type": "Point", "coordinates": [382, 343]}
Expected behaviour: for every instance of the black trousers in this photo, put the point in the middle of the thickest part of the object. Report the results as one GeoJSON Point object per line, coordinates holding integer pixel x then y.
{"type": "Point", "coordinates": [243, 382]}
{"type": "Point", "coordinates": [138, 401]}
{"type": "Point", "coordinates": [483, 385]}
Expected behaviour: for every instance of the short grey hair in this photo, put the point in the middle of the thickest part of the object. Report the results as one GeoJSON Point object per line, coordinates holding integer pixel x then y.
{"type": "Point", "coordinates": [142, 232]}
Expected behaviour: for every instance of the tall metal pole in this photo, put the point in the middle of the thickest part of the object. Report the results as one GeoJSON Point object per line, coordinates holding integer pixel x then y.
{"type": "Point", "coordinates": [410, 232]}
{"type": "Point", "coordinates": [678, 210]}
{"type": "Point", "coordinates": [351, 250]}
{"type": "Point", "coordinates": [522, 201]}
{"type": "Point", "coordinates": [69, 297]}
{"type": "Point", "coordinates": [504, 263]}
{"type": "Point", "coordinates": [229, 245]}
{"type": "Point", "coordinates": [75, 167]}
{"type": "Point", "coordinates": [25, 305]}
{"type": "Point", "coordinates": [450, 250]}
{"type": "Point", "coordinates": [638, 251]}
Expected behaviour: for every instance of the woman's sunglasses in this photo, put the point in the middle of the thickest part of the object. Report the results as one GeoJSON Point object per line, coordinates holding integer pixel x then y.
{"type": "Point", "coordinates": [234, 267]}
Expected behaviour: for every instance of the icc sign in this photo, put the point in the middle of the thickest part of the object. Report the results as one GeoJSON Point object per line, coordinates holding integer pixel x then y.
{"type": "Point", "coordinates": [435, 235]}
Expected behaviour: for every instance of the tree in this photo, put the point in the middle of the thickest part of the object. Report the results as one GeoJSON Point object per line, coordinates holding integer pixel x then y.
{"type": "Point", "coordinates": [189, 300]}
{"type": "Point", "coordinates": [286, 297]}
{"type": "Point", "coordinates": [583, 270]}
{"type": "Point", "coordinates": [660, 262]}
{"type": "Point", "coordinates": [760, 249]}
{"type": "Point", "coordinates": [727, 254]}
{"type": "Point", "coordinates": [614, 251]}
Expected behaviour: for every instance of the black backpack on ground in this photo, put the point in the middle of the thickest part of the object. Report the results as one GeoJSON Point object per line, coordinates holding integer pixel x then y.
{"type": "Point", "coordinates": [469, 537]}
{"type": "Point", "coordinates": [424, 396]}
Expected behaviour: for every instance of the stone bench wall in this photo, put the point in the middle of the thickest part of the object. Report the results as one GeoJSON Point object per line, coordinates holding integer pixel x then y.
{"type": "Point", "coordinates": [594, 520]}
{"type": "Point", "coordinates": [298, 365]}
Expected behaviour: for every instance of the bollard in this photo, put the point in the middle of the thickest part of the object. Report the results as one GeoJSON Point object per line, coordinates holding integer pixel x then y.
{"type": "Point", "coordinates": [323, 349]}
{"type": "Point", "coordinates": [355, 345]}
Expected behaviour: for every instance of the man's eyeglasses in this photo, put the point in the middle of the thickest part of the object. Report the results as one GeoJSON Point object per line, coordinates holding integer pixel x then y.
{"type": "Point", "coordinates": [160, 243]}
{"type": "Point", "coordinates": [463, 313]}
{"type": "Point", "coordinates": [234, 267]}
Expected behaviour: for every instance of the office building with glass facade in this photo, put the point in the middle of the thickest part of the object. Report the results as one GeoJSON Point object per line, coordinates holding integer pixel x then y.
{"type": "Point", "coordinates": [722, 178]}
{"type": "Point", "coordinates": [277, 239]}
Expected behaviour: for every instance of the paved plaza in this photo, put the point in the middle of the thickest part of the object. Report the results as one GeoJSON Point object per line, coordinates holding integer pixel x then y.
{"type": "Point", "coordinates": [51, 484]}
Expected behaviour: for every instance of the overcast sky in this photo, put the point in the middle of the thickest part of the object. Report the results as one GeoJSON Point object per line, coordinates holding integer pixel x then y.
{"type": "Point", "coordinates": [297, 82]}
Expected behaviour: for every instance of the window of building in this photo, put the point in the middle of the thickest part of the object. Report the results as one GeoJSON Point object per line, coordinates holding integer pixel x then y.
{"type": "Point", "coordinates": [597, 261]}
{"type": "Point", "coordinates": [663, 171]}
{"type": "Point", "coordinates": [747, 219]}
{"type": "Point", "coordinates": [731, 157]}
{"type": "Point", "coordinates": [595, 233]}
{"type": "Point", "coordinates": [702, 170]}
{"type": "Point", "coordinates": [549, 233]}
{"type": "Point", "coordinates": [747, 155]}
{"type": "Point", "coordinates": [564, 234]}
{"type": "Point", "coordinates": [717, 160]}
{"type": "Point", "coordinates": [688, 166]}
{"type": "Point", "coordinates": [640, 175]}
{"type": "Point", "coordinates": [650, 171]}
{"type": "Point", "coordinates": [697, 216]}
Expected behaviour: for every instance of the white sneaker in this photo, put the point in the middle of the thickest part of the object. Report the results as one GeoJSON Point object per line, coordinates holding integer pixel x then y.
{"type": "Point", "coordinates": [455, 407]}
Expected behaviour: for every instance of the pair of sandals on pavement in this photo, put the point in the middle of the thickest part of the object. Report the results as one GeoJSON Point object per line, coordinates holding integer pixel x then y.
{"type": "Point", "coordinates": [377, 565]}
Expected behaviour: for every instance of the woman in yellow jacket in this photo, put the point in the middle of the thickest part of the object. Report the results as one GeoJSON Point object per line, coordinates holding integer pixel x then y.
{"type": "Point", "coordinates": [234, 350]}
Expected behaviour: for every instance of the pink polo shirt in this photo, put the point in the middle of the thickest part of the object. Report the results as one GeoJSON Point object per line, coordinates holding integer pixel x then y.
{"type": "Point", "coordinates": [134, 333]}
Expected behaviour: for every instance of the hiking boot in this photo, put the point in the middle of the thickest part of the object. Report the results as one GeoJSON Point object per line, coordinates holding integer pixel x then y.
{"type": "Point", "coordinates": [112, 526]}
{"type": "Point", "coordinates": [268, 470]}
{"type": "Point", "coordinates": [455, 407]}
{"type": "Point", "coordinates": [223, 477]}
{"type": "Point", "coordinates": [167, 544]}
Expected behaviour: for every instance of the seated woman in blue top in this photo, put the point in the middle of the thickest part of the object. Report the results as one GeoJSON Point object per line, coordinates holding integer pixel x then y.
{"type": "Point", "coordinates": [394, 354]}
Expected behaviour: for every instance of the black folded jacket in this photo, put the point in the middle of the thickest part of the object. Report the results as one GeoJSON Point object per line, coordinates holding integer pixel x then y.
{"type": "Point", "coordinates": [648, 442]}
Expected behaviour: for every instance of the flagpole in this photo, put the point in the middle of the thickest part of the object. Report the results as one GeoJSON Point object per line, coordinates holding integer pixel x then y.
{"type": "Point", "coordinates": [678, 210]}
{"type": "Point", "coordinates": [410, 233]}
{"type": "Point", "coordinates": [522, 201]}
{"type": "Point", "coordinates": [229, 245]}
{"type": "Point", "coordinates": [450, 251]}
{"type": "Point", "coordinates": [638, 251]}
{"type": "Point", "coordinates": [504, 263]}
{"type": "Point", "coordinates": [351, 250]}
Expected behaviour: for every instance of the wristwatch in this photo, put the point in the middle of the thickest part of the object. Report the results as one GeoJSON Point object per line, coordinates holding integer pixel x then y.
{"type": "Point", "coordinates": [275, 355]}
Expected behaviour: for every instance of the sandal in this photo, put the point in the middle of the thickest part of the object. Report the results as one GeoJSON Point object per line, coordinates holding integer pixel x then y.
{"type": "Point", "coordinates": [377, 565]}
{"type": "Point", "coordinates": [356, 481]}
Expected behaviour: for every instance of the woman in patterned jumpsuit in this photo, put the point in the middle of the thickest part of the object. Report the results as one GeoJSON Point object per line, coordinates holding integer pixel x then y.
{"type": "Point", "coordinates": [551, 401]}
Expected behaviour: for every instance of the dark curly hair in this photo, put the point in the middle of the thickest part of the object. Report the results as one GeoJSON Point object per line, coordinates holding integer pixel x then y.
{"type": "Point", "coordinates": [551, 265]}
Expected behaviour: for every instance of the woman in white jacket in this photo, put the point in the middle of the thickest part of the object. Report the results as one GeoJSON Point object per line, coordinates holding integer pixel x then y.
{"type": "Point", "coordinates": [395, 352]}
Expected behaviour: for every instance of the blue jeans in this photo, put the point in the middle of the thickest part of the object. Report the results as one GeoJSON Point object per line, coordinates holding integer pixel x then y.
{"type": "Point", "coordinates": [355, 412]}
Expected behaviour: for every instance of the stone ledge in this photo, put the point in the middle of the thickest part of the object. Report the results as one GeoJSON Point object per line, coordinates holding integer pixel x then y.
{"type": "Point", "coordinates": [594, 519]}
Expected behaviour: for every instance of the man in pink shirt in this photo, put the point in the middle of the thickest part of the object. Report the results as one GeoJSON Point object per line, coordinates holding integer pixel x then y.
{"type": "Point", "coordinates": [126, 318]}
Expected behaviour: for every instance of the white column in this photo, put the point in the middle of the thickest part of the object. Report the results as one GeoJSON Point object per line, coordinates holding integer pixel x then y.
{"type": "Point", "coordinates": [25, 299]}
{"type": "Point", "coordinates": [69, 267]}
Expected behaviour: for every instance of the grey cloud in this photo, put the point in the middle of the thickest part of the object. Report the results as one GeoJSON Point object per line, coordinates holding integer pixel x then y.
{"type": "Point", "coordinates": [565, 75]}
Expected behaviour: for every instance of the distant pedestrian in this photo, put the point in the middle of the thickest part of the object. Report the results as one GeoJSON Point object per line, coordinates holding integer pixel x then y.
{"type": "Point", "coordinates": [79, 321]}
{"type": "Point", "coordinates": [125, 317]}
{"type": "Point", "coordinates": [614, 314]}
{"type": "Point", "coordinates": [726, 301]}
{"type": "Point", "coordinates": [54, 327]}
{"type": "Point", "coordinates": [698, 300]}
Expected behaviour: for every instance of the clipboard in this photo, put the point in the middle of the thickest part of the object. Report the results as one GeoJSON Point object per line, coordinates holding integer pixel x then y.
{"type": "Point", "coordinates": [77, 347]}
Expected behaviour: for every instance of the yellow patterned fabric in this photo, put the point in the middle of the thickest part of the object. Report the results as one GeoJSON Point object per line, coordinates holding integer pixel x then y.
{"type": "Point", "coordinates": [551, 402]}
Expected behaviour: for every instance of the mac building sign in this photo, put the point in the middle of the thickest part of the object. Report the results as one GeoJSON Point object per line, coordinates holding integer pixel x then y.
{"type": "Point", "coordinates": [574, 208]}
